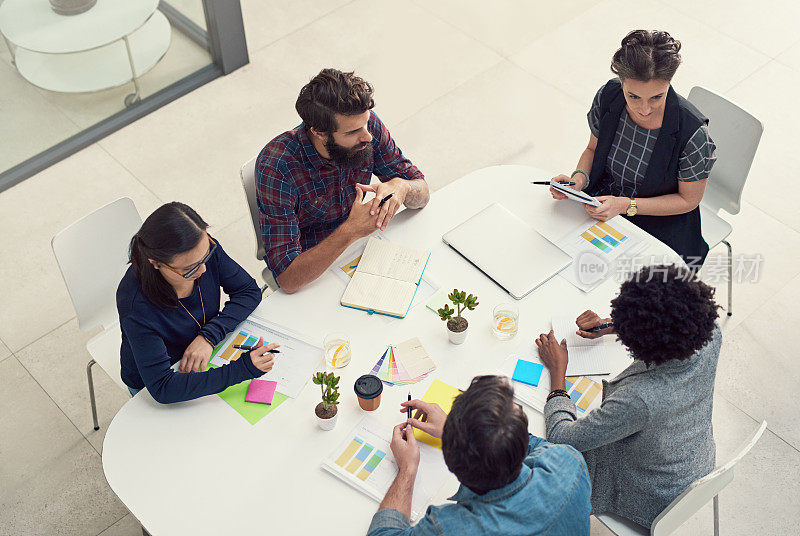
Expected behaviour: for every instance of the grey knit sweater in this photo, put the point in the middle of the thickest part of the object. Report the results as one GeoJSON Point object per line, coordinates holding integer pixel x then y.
{"type": "Point", "coordinates": [650, 438]}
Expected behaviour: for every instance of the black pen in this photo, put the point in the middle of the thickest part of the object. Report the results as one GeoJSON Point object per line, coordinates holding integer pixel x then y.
{"type": "Point", "coordinates": [547, 183]}
{"type": "Point", "coordinates": [409, 406]}
{"type": "Point", "coordinates": [251, 348]}
{"type": "Point", "coordinates": [385, 199]}
{"type": "Point", "coordinates": [599, 328]}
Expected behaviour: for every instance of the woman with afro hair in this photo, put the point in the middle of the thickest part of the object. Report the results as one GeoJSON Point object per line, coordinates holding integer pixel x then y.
{"type": "Point", "coordinates": [652, 435]}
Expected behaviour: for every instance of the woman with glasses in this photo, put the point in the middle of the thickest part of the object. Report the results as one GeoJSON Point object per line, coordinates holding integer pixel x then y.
{"type": "Point", "coordinates": [168, 304]}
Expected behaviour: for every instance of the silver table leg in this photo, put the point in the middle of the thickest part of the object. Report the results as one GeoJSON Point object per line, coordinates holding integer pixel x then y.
{"type": "Point", "coordinates": [133, 98]}
{"type": "Point", "coordinates": [10, 50]}
{"type": "Point", "coordinates": [730, 277]}
{"type": "Point", "coordinates": [91, 393]}
{"type": "Point", "coordinates": [716, 515]}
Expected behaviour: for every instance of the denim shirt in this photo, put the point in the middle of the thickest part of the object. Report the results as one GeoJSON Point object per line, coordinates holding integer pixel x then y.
{"type": "Point", "coordinates": [550, 496]}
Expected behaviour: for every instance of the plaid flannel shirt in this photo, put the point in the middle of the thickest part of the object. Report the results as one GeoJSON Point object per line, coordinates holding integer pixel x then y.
{"type": "Point", "coordinates": [302, 197]}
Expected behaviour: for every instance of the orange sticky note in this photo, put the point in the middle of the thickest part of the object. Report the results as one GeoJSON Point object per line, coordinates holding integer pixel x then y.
{"type": "Point", "coordinates": [442, 394]}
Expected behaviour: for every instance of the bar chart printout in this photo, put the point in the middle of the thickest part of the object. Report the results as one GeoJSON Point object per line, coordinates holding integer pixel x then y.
{"type": "Point", "coordinates": [604, 237]}
{"type": "Point", "coordinates": [585, 392]}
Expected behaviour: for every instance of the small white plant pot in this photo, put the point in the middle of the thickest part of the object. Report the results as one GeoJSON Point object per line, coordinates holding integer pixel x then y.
{"type": "Point", "coordinates": [457, 337]}
{"type": "Point", "coordinates": [327, 424]}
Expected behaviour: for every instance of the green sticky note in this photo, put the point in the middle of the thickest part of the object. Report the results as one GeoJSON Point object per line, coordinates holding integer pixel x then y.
{"type": "Point", "coordinates": [438, 300]}
{"type": "Point", "coordinates": [252, 411]}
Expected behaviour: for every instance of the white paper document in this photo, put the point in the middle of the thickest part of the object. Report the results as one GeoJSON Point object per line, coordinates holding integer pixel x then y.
{"type": "Point", "coordinates": [586, 356]}
{"type": "Point", "coordinates": [364, 460]}
{"type": "Point", "coordinates": [293, 366]}
{"type": "Point", "coordinates": [575, 195]}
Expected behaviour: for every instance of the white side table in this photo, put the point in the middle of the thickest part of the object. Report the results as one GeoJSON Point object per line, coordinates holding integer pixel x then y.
{"type": "Point", "coordinates": [111, 44]}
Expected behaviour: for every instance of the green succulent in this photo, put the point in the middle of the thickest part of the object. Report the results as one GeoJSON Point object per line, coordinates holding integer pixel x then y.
{"type": "Point", "coordinates": [330, 388]}
{"type": "Point", "coordinates": [461, 301]}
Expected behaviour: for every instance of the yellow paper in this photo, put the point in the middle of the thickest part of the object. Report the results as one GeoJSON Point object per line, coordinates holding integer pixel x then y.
{"type": "Point", "coordinates": [442, 394]}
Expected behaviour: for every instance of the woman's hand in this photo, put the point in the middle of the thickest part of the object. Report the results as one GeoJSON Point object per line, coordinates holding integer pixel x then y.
{"type": "Point", "coordinates": [579, 184]}
{"type": "Point", "coordinates": [553, 354]}
{"type": "Point", "coordinates": [196, 356]}
{"type": "Point", "coordinates": [261, 358]}
{"type": "Point", "coordinates": [590, 319]}
{"type": "Point", "coordinates": [610, 206]}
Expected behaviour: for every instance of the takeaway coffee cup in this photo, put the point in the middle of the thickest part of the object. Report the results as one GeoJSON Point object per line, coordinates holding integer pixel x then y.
{"type": "Point", "coordinates": [368, 390]}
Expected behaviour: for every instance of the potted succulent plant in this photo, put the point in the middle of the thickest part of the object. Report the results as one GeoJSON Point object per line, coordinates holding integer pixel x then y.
{"type": "Point", "coordinates": [327, 411]}
{"type": "Point", "coordinates": [457, 325]}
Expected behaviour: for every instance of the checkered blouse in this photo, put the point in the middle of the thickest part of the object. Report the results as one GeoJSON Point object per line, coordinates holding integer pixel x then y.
{"type": "Point", "coordinates": [633, 145]}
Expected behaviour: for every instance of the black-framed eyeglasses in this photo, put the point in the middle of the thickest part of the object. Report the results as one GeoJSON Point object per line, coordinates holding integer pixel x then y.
{"type": "Point", "coordinates": [186, 275]}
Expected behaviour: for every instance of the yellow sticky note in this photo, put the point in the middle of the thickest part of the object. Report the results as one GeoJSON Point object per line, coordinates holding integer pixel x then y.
{"type": "Point", "coordinates": [442, 394]}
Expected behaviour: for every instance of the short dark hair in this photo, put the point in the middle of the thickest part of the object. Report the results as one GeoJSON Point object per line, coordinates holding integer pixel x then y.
{"type": "Point", "coordinates": [485, 437]}
{"type": "Point", "coordinates": [664, 312]}
{"type": "Point", "coordinates": [171, 229]}
{"type": "Point", "coordinates": [646, 55]}
{"type": "Point", "coordinates": [329, 93]}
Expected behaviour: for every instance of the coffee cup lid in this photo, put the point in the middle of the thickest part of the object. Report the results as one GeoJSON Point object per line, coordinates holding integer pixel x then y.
{"type": "Point", "coordinates": [368, 386]}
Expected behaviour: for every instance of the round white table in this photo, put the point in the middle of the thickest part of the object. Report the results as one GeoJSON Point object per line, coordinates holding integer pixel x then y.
{"type": "Point", "coordinates": [113, 43]}
{"type": "Point", "coordinates": [199, 468]}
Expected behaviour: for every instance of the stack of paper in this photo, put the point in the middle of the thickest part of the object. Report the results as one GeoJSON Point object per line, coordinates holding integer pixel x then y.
{"type": "Point", "coordinates": [587, 357]}
{"type": "Point", "coordinates": [404, 363]}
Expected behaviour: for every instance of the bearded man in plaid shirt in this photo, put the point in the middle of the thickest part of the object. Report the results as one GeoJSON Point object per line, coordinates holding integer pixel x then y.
{"type": "Point", "coordinates": [312, 180]}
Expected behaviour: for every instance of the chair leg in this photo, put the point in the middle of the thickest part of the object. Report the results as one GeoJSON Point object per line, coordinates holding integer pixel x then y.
{"type": "Point", "coordinates": [144, 532]}
{"type": "Point", "coordinates": [730, 277]}
{"type": "Point", "coordinates": [91, 393]}
{"type": "Point", "coordinates": [716, 515]}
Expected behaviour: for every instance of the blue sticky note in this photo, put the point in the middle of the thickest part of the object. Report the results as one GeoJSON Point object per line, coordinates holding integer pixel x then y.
{"type": "Point", "coordinates": [527, 372]}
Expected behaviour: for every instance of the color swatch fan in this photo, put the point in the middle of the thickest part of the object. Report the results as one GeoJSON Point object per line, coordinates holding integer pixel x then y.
{"type": "Point", "coordinates": [404, 364]}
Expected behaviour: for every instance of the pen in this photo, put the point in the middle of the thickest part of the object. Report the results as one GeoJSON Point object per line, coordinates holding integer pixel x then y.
{"type": "Point", "coordinates": [251, 348]}
{"type": "Point", "coordinates": [547, 183]}
{"type": "Point", "coordinates": [409, 407]}
{"type": "Point", "coordinates": [385, 199]}
{"type": "Point", "coordinates": [599, 328]}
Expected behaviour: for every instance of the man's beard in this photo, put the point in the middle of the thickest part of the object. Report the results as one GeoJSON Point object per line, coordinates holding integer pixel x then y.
{"type": "Point", "coordinates": [348, 158]}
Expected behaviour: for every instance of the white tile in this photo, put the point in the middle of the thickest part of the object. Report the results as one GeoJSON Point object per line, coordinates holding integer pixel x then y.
{"type": "Point", "coordinates": [52, 478]}
{"type": "Point", "coordinates": [765, 494]}
{"type": "Point", "coordinates": [502, 116]}
{"type": "Point", "coordinates": [791, 56]}
{"type": "Point", "coordinates": [266, 21]}
{"type": "Point", "coordinates": [506, 25]}
{"type": "Point", "coordinates": [33, 297]}
{"type": "Point", "coordinates": [192, 149]}
{"type": "Point", "coordinates": [4, 351]}
{"type": "Point", "coordinates": [127, 526]}
{"type": "Point", "coordinates": [769, 26]}
{"type": "Point", "coordinates": [183, 57]}
{"type": "Point", "coordinates": [58, 362]}
{"type": "Point", "coordinates": [766, 256]}
{"type": "Point", "coordinates": [409, 55]}
{"type": "Point", "coordinates": [578, 61]}
{"type": "Point", "coordinates": [758, 369]}
{"type": "Point", "coordinates": [238, 239]}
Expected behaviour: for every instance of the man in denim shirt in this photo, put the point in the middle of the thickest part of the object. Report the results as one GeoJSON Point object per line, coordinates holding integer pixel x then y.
{"type": "Point", "coordinates": [512, 483]}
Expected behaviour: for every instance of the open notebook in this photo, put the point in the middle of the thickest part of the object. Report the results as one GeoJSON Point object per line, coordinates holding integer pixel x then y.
{"type": "Point", "coordinates": [386, 279]}
{"type": "Point", "coordinates": [587, 357]}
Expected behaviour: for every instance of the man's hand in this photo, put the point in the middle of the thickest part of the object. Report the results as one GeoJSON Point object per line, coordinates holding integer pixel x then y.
{"type": "Point", "coordinates": [553, 355]}
{"type": "Point", "coordinates": [590, 319]}
{"type": "Point", "coordinates": [261, 358]}
{"type": "Point", "coordinates": [405, 449]}
{"type": "Point", "coordinates": [610, 206]}
{"type": "Point", "coordinates": [360, 222]}
{"type": "Point", "coordinates": [579, 184]}
{"type": "Point", "coordinates": [428, 417]}
{"type": "Point", "coordinates": [196, 356]}
{"type": "Point", "coordinates": [397, 187]}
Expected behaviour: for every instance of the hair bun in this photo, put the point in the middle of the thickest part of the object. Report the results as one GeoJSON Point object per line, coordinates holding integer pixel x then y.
{"type": "Point", "coordinates": [637, 38]}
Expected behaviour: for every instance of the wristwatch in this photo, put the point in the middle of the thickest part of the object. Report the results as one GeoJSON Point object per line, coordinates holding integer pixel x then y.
{"type": "Point", "coordinates": [632, 209]}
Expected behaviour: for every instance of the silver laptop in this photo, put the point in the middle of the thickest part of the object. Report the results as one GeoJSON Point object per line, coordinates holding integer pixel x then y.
{"type": "Point", "coordinates": [508, 250]}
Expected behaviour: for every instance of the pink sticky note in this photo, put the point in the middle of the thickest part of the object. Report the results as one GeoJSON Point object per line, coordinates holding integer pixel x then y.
{"type": "Point", "coordinates": [261, 391]}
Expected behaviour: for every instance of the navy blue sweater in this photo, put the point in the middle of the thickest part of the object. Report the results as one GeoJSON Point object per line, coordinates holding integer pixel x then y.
{"type": "Point", "coordinates": [153, 339]}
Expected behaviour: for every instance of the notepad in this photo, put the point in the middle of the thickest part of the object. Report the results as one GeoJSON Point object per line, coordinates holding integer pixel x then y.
{"type": "Point", "coordinates": [261, 391]}
{"type": "Point", "coordinates": [527, 372]}
{"type": "Point", "coordinates": [587, 357]}
{"type": "Point", "coordinates": [442, 394]}
{"type": "Point", "coordinates": [386, 279]}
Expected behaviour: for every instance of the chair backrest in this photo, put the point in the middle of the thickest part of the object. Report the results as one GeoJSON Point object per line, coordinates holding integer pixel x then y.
{"type": "Point", "coordinates": [736, 133]}
{"type": "Point", "coordinates": [700, 491]}
{"type": "Point", "coordinates": [248, 174]}
{"type": "Point", "coordinates": [92, 254]}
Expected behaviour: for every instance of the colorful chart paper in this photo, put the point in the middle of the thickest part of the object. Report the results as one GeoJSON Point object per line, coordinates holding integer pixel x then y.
{"type": "Point", "coordinates": [584, 392]}
{"type": "Point", "coordinates": [604, 237]}
{"type": "Point", "coordinates": [393, 366]}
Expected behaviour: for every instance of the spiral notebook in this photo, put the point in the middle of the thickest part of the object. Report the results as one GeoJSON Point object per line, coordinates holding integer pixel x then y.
{"type": "Point", "coordinates": [386, 279]}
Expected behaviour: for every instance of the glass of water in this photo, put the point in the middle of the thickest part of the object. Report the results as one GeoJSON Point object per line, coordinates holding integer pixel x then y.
{"type": "Point", "coordinates": [337, 349]}
{"type": "Point", "coordinates": [506, 321]}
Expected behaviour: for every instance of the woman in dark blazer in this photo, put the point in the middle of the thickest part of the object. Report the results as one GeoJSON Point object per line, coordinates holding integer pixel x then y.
{"type": "Point", "coordinates": [649, 152]}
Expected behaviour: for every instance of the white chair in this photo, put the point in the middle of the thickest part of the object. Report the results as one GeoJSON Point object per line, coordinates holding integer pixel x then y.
{"type": "Point", "coordinates": [736, 134]}
{"type": "Point", "coordinates": [687, 503]}
{"type": "Point", "coordinates": [248, 175]}
{"type": "Point", "coordinates": [92, 254]}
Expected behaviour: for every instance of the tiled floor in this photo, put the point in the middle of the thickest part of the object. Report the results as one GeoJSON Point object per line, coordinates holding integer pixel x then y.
{"type": "Point", "coordinates": [462, 84]}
